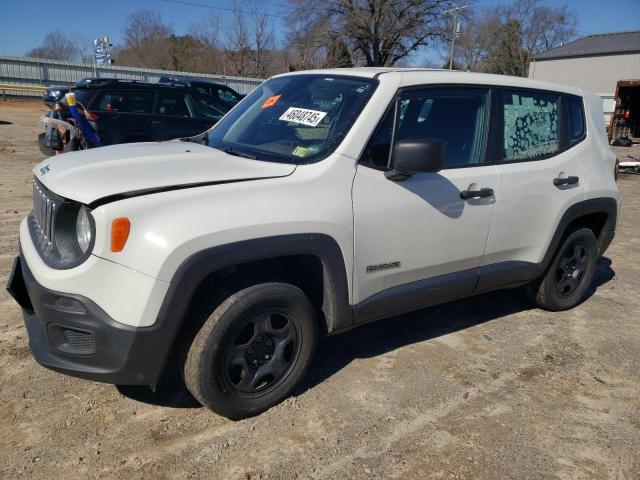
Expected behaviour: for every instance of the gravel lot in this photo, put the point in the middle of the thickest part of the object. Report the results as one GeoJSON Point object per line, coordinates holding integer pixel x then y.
{"type": "Point", "coordinates": [483, 388]}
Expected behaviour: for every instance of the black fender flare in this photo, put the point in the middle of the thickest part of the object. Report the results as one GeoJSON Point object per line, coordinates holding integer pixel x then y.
{"type": "Point", "coordinates": [190, 274]}
{"type": "Point", "coordinates": [606, 205]}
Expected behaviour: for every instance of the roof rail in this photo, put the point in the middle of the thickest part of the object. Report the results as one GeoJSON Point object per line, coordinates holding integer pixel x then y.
{"type": "Point", "coordinates": [85, 82]}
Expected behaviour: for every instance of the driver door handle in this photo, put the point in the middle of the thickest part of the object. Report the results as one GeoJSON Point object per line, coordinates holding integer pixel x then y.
{"type": "Point", "coordinates": [559, 181]}
{"type": "Point", "coordinates": [157, 123]}
{"type": "Point", "coordinates": [482, 193]}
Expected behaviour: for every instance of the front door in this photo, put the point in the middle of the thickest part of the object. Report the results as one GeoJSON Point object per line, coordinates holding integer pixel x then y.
{"type": "Point", "coordinates": [406, 232]}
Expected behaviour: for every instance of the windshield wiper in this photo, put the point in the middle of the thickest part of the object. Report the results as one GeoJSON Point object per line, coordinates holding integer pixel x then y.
{"type": "Point", "coordinates": [237, 153]}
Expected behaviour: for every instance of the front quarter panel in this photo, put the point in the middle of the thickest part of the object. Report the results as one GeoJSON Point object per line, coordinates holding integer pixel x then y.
{"type": "Point", "coordinates": [167, 228]}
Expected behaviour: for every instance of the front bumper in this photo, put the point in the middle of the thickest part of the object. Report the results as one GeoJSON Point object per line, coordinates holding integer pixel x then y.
{"type": "Point", "coordinates": [71, 334]}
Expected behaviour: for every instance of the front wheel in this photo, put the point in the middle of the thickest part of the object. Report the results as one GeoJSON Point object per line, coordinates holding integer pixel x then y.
{"type": "Point", "coordinates": [252, 350]}
{"type": "Point", "coordinates": [565, 283]}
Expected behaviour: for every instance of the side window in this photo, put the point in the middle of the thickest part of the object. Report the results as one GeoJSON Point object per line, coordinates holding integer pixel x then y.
{"type": "Point", "coordinates": [531, 127]}
{"type": "Point", "coordinates": [376, 153]}
{"type": "Point", "coordinates": [227, 96]}
{"type": "Point", "coordinates": [208, 107]}
{"type": "Point", "coordinates": [455, 116]}
{"type": "Point", "coordinates": [125, 102]}
{"type": "Point", "coordinates": [575, 112]}
{"type": "Point", "coordinates": [174, 104]}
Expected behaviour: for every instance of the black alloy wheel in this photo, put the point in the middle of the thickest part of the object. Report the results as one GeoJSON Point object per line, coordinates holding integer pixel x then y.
{"type": "Point", "coordinates": [252, 350]}
{"type": "Point", "coordinates": [571, 269]}
{"type": "Point", "coordinates": [261, 353]}
{"type": "Point", "coordinates": [566, 281]}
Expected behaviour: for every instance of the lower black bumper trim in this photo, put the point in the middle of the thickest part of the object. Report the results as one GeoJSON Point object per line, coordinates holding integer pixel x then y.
{"type": "Point", "coordinates": [71, 334]}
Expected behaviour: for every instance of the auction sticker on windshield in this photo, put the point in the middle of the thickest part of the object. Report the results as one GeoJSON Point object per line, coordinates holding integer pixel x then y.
{"type": "Point", "coordinates": [303, 116]}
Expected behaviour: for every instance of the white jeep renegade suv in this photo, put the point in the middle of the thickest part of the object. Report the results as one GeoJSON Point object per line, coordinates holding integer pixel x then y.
{"type": "Point", "coordinates": [323, 200]}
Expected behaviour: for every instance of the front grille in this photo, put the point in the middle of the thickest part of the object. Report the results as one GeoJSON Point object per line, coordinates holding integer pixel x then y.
{"type": "Point", "coordinates": [45, 206]}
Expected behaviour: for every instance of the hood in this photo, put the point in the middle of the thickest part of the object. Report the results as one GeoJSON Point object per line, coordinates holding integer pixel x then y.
{"type": "Point", "coordinates": [130, 169]}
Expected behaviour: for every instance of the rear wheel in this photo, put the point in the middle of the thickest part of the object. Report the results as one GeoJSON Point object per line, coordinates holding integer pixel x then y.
{"type": "Point", "coordinates": [252, 350]}
{"type": "Point", "coordinates": [565, 283]}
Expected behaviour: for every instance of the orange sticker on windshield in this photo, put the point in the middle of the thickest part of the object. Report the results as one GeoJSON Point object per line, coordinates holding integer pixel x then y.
{"type": "Point", "coordinates": [271, 101]}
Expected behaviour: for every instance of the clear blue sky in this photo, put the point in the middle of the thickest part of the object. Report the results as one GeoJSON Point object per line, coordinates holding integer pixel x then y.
{"type": "Point", "coordinates": [23, 24]}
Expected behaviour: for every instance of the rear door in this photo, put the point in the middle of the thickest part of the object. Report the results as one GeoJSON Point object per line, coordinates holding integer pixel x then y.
{"type": "Point", "coordinates": [174, 116]}
{"type": "Point", "coordinates": [122, 116]}
{"type": "Point", "coordinates": [539, 177]}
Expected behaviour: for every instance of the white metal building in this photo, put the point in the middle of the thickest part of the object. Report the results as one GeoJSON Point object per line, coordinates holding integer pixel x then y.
{"type": "Point", "coordinates": [595, 63]}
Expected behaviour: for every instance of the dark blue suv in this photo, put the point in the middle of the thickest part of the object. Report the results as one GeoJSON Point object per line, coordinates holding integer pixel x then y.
{"type": "Point", "coordinates": [125, 111]}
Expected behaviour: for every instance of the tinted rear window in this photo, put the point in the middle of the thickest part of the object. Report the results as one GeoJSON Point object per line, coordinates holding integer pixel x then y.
{"type": "Point", "coordinates": [576, 118]}
{"type": "Point", "coordinates": [126, 102]}
{"type": "Point", "coordinates": [531, 127]}
{"type": "Point", "coordinates": [174, 104]}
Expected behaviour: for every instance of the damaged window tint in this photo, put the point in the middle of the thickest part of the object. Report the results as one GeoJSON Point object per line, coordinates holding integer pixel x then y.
{"type": "Point", "coordinates": [531, 128]}
{"type": "Point", "coordinates": [294, 119]}
{"type": "Point", "coordinates": [126, 102]}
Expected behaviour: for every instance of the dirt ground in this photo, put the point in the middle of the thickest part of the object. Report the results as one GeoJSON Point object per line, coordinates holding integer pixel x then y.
{"type": "Point", "coordinates": [484, 388]}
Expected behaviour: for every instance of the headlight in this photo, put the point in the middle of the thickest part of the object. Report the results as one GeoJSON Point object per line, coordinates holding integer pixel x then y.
{"type": "Point", "coordinates": [83, 229]}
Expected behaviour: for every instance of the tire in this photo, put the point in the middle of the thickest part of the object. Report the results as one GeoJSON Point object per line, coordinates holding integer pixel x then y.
{"type": "Point", "coordinates": [252, 350]}
{"type": "Point", "coordinates": [565, 283]}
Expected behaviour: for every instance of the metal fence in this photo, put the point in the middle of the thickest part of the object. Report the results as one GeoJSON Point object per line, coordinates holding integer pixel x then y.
{"type": "Point", "coordinates": [40, 71]}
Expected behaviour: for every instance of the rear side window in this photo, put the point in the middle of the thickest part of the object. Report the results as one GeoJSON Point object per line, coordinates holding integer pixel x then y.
{"type": "Point", "coordinates": [208, 107]}
{"type": "Point", "coordinates": [174, 104]}
{"type": "Point", "coordinates": [531, 127]}
{"type": "Point", "coordinates": [228, 96]}
{"type": "Point", "coordinates": [125, 102]}
{"type": "Point", "coordinates": [575, 112]}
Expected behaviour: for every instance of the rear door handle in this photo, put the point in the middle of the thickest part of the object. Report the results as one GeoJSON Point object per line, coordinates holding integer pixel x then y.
{"type": "Point", "coordinates": [482, 193]}
{"type": "Point", "coordinates": [157, 123]}
{"type": "Point", "coordinates": [565, 181]}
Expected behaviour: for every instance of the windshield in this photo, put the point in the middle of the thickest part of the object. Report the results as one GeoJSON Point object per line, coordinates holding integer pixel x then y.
{"type": "Point", "coordinates": [293, 119]}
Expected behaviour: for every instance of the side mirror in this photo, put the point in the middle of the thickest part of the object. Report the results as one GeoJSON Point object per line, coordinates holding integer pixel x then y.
{"type": "Point", "coordinates": [416, 155]}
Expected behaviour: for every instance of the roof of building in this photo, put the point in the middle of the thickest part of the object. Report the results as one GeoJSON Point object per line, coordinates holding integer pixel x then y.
{"type": "Point", "coordinates": [600, 44]}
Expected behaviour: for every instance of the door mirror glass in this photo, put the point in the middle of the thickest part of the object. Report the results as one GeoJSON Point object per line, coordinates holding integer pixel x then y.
{"type": "Point", "coordinates": [418, 155]}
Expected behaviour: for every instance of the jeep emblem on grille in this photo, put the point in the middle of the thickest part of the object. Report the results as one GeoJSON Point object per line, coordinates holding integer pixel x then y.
{"type": "Point", "coordinates": [44, 169]}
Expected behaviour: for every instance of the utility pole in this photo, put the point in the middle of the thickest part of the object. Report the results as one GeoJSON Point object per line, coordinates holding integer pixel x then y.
{"type": "Point", "coordinates": [456, 29]}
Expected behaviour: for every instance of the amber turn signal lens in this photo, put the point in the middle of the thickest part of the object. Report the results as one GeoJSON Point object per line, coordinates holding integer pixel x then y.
{"type": "Point", "coordinates": [119, 233]}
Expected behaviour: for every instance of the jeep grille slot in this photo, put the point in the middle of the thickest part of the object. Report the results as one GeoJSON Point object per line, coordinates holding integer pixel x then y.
{"type": "Point", "coordinates": [44, 209]}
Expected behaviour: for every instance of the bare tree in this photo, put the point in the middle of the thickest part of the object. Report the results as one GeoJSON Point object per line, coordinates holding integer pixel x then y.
{"type": "Point", "coordinates": [239, 48]}
{"type": "Point", "coordinates": [209, 56]}
{"type": "Point", "coordinates": [504, 39]}
{"type": "Point", "coordinates": [381, 32]}
{"type": "Point", "coordinates": [306, 43]}
{"type": "Point", "coordinates": [145, 39]}
{"type": "Point", "coordinates": [84, 47]}
{"type": "Point", "coordinates": [143, 26]}
{"type": "Point", "coordinates": [263, 39]}
{"type": "Point", "coordinates": [56, 46]}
